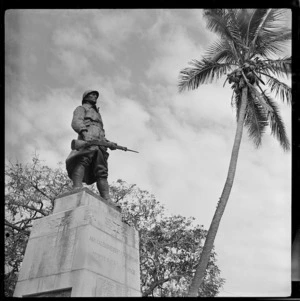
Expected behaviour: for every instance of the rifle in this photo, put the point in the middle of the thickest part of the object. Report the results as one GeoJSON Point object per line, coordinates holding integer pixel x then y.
{"type": "Point", "coordinates": [79, 144]}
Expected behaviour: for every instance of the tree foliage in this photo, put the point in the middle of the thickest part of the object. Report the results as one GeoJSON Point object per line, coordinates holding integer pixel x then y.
{"type": "Point", "coordinates": [248, 41]}
{"type": "Point", "coordinates": [169, 245]}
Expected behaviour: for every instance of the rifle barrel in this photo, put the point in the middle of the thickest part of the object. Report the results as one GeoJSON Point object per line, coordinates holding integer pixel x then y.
{"type": "Point", "coordinates": [132, 150]}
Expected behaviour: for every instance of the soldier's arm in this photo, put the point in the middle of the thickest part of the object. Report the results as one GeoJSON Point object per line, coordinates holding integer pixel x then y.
{"type": "Point", "coordinates": [112, 144]}
{"type": "Point", "coordinates": [77, 121]}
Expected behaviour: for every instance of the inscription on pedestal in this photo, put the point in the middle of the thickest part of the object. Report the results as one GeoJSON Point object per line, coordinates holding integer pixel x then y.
{"type": "Point", "coordinates": [113, 263]}
{"type": "Point", "coordinates": [110, 221]}
{"type": "Point", "coordinates": [108, 256]}
{"type": "Point", "coordinates": [112, 249]}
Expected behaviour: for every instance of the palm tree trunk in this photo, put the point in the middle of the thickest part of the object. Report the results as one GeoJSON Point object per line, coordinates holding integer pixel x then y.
{"type": "Point", "coordinates": [210, 238]}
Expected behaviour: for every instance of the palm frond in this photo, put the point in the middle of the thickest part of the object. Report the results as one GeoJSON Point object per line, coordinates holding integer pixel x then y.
{"type": "Point", "coordinates": [256, 119]}
{"type": "Point", "coordinates": [243, 16]}
{"type": "Point", "coordinates": [274, 18]}
{"type": "Point", "coordinates": [217, 21]}
{"type": "Point", "coordinates": [233, 26]}
{"type": "Point", "coordinates": [221, 51]}
{"type": "Point", "coordinates": [259, 96]}
{"type": "Point", "coordinates": [258, 78]}
{"type": "Point", "coordinates": [279, 67]}
{"type": "Point", "coordinates": [263, 106]}
{"type": "Point", "coordinates": [280, 88]}
{"type": "Point", "coordinates": [253, 24]}
{"type": "Point", "coordinates": [224, 55]}
{"type": "Point", "coordinates": [220, 21]}
{"type": "Point", "coordinates": [277, 125]}
{"type": "Point", "coordinates": [272, 43]}
{"type": "Point", "coordinates": [268, 23]}
{"type": "Point", "coordinates": [201, 72]}
{"type": "Point", "coordinates": [261, 21]}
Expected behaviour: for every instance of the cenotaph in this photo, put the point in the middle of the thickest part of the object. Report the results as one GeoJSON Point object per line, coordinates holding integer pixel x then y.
{"type": "Point", "coordinates": [83, 249]}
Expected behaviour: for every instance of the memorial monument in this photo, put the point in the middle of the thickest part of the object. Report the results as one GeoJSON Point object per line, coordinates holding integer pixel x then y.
{"type": "Point", "coordinates": [83, 249]}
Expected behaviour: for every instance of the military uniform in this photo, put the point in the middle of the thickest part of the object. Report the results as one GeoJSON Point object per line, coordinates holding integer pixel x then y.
{"type": "Point", "coordinates": [89, 165]}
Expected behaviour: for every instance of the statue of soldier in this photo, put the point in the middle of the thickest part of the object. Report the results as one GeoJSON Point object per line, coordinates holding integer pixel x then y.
{"type": "Point", "coordinates": [90, 164]}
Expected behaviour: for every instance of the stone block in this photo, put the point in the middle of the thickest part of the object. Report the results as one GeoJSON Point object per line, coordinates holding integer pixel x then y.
{"type": "Point", "coordinates": [106, 287]}
{"type": "Point", "coordinates": [81, 283]}
{"type": "Point", "coordinates": [83, 249]}
{"type": "Point", "coordinates": [98, 251]}
{"type": "Point", "coordinates": [84, 196]}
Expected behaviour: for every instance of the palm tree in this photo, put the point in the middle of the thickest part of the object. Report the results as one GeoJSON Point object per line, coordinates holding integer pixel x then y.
{"type": "Point", "coordinates": [248, 41]}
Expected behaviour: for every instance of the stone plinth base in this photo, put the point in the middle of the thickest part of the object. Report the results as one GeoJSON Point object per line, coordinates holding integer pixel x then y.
{"type": "Point", "coordinates": [82, 250]}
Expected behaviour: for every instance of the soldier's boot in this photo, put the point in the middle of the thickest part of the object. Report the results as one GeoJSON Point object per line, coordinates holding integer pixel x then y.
{"type": "Point", "coordinates": [103, 188]}
{"type": "Point", "coordinates": [77, 176]}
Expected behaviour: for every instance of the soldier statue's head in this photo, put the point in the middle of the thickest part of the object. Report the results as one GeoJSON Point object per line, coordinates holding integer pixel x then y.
{"type": "Point", "coordinates": [90, 96]}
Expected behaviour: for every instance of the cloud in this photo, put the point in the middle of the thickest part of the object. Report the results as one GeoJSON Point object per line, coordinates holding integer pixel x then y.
{"type": "Point", "coordinates": [74, 64]}
{"type": "Point", "coordinates": [73, 37]}
{"type": "Point", "coordinates": [80, 39]}
{"type": "Point", "coordinates": [173, 46]}
{"type": "Point", "coordinates": [115, 26]}
{"type": "Point", "coordinates": [40, 125]}
{"type": "Point", "coordinates": [178, 36]}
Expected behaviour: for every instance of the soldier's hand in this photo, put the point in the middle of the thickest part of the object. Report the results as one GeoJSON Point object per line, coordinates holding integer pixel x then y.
{"type": "Point", "coordinates": [84, 134]}
{"type": "Point", "coordinates": [113, 145]}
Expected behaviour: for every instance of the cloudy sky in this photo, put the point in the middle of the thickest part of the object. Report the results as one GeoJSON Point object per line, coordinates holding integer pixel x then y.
{"type": "Point", "coordinates": [133, 57]}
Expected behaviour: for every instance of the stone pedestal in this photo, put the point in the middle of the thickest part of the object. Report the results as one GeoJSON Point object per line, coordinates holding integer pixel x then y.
{"type": "Point", "coordinates": [82, 250]}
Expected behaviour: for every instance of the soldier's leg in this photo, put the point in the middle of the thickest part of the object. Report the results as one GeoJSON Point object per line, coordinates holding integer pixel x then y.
{"type": "Point", "coordinates": [103, 187]}
{"type": "Point", "coordinates": [79, 170]}
{"type": "Point", "coordinates": [101, 173]}
{"type": "Point", "coordinates": [77, 175]}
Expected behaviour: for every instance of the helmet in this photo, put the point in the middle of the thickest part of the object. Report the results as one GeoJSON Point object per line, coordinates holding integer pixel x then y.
{"type": "Point", "coordinates": [88, 92]}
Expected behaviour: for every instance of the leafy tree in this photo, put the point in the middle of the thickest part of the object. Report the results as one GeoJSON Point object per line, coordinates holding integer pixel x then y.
{"type": "Point", "coordinates": [169, 245]}
{"type": "Point", "coordinates": [248, 41]}
{"type": "Point", "coordinates": [30, 190]}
